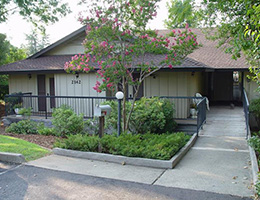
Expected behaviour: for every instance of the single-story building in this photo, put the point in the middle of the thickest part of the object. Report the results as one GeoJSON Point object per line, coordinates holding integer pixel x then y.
{"type": "Point", "coordinates": [208, 71]}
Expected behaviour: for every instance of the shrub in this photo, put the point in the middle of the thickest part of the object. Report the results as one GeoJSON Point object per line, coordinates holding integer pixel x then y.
{"type": "Point", "coordinates": [150, 115]}
{"type": "Point", "coordinates": [147, 145]}
{"type": "Point", "coordinates": [66, 121]}
{"type": "Point", "coordinates": [254, 142]}
{"type": "Point", "coordinates": [23, 127]}
{"type": "Point", "coordinates": [26, 112]}
{"type": "Point", "coordinates": [47, 131]}
{"type": "Point", "coordinates": [257, 186]}
{"type": "Point", "coordinates": [79, 142]}
{"type": "Point", "coordinates": [254, 108]}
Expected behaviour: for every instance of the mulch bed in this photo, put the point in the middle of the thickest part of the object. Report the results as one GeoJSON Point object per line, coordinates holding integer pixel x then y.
{"type": "Point", "coordinates": [42, 140]}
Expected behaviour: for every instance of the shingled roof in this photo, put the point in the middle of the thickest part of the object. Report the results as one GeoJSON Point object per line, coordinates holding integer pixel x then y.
{"type": "Point", "coordinates": [206, 57]}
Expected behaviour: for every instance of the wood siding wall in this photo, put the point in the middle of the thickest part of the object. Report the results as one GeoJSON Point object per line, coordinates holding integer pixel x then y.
{"type": "Point", "coordinates": [175, 84]}
{"type": "Point", "coordinates": [70, 48]}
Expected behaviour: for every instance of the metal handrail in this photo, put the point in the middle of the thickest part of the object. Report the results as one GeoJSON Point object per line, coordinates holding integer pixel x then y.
{"type": "Point", "coordinates": [89, 102]}
{"type": "Point", "coordinates": [246, 111]}
{"type": "Point", "coordinates": [201, 116]}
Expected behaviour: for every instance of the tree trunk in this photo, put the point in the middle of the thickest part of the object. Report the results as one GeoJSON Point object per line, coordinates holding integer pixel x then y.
{"type": "Point", "coordinates": [132, 107]}
{"type": "Point", "coordinates": [124, 106]}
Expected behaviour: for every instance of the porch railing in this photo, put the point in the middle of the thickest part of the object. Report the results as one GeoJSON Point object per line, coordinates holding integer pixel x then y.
{"type": "Point", "coordinates": [201, 116]}
{"type": "Point", "coordinates": [44, 105]}
{"type": "Point", "coordinates": [246, 111]}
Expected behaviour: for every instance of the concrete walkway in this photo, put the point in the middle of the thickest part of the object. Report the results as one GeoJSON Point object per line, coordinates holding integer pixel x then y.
{"type": "Point", "coordinates": [219, 161]}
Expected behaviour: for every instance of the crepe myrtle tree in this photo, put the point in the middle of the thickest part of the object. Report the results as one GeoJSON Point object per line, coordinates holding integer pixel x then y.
{"type": "Point", "coordinates": [118, 41]}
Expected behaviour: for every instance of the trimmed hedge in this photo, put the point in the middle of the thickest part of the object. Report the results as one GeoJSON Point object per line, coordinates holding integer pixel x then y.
{"type": "Point", "coordinates": [147, 145]}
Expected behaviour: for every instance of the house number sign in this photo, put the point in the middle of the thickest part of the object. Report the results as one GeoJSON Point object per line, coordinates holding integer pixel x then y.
{"type": "Point", "coordinates": [75, 82]}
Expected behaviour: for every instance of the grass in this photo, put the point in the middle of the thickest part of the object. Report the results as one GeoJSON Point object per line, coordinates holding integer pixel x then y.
{"type": "Point", "coordinates": [29, 150]}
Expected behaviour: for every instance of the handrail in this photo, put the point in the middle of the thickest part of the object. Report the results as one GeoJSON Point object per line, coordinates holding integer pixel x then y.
{"type": "Point", "coordinates": [201, 116]}
{"type": "Point", "coordinates": [246, 111]}
{"type": "Point", "coordinates": [42, 105]}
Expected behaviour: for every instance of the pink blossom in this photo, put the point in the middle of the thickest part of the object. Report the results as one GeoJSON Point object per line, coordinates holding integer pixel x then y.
{"type": "Point", "coordinates": [187, 26]}
{"type": "Point", "coordinates": [86, 69]}
{"type": "Point", "coordinates": [97, 13]}
{"type": "Point", "coordinates": [133, 11]}
{"type": "Point", "coordinates": [109, 85]}
{"type": "Point", "coordinates": [154, 14]}
{"type": "Point", "coordinates": [170, 66]}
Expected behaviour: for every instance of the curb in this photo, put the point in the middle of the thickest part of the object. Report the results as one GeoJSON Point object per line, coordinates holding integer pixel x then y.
{"type": "Point", "coordinates": [254, 163]}
{"type": "Point", "coordinates": [145, 162]}
{"type": "Point", "coordinates": [12, 157]}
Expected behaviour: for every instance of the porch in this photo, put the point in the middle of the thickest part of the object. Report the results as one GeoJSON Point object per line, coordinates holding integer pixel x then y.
{"type": "Point", "coordinates": [42, 108]}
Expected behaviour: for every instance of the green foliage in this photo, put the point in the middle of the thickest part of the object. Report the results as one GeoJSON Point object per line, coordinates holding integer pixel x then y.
{"type": "Point", "coordinates": [37, 12]}
{"type": "Point", "coordinates": [147, 145]}
{"type": "Point", "coordinates": [254, 108]}
{"type": "Point", "coordinates": [181, 13]}
{"type": "Point", "coordinates": [23, 127]}
{"type": "Point", "coordinates": [257, 186]}
{"type": "Point", "coordinates": [42, 130]}
{"type": "Point", "coordinates": [25, 111]}
{"type": "Point", "coordinates": [254, 142]}
{"type": "Point", "coordinates": [79, 142]}
{"type": "Point", "coordinates": [66, 121]}
{"type": "Point", "coordinates": [9, 53]}
{"type": "Point", "coordinates": [238, 21]}
{"type": "Point", "coordinates": [150, 115]}
{"type": "Point", "coordinates": [11, 102]}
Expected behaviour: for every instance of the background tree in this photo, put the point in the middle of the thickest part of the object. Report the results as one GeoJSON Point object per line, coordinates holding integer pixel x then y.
{"type": "Point", "coordinates": [236, 26]}
{"type": "Point", "coordinates": [38, 12]}
{"type": "Point", "coordinates": [181, 12]}
{"type": "Point", "coordinates": [8, 54]}
{"type": "Point", "coordinates": [118, 43]}
{"type": "Point", "coordinates": [36, 41]}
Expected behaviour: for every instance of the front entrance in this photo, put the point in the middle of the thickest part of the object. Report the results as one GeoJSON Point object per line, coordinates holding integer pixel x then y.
{"type": "Point", "coordinates": [221, 86]}
{"type": "Point", "coordinates": [41, 91]}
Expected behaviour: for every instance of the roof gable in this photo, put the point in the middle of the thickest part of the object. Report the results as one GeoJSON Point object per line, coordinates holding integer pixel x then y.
{"type": "Point", "coordinates": [53, 57]}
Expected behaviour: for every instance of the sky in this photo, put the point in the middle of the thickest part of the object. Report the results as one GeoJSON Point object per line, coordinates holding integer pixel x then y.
{"type": "Point", "coordinates": [16, 28]}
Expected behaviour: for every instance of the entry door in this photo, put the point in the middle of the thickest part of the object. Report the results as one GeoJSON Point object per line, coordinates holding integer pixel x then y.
{"type": "Point", "coordinates": [223, 86]}
{"type": "Point", "coordinates": [41, 91]}
{"type": "Point", "coordinates": [52, 92]}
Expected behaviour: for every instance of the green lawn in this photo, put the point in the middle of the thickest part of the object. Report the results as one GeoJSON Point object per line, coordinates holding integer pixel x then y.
{"type": "Point", "coordinates": [29, 150]}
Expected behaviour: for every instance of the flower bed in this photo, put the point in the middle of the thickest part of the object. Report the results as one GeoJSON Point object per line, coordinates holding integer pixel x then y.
{"type": "Point", "coordinates": [153, 146]}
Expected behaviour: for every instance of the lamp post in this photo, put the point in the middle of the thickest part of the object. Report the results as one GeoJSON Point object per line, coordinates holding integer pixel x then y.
{"type": "Point", "coordinates": [119, 96]}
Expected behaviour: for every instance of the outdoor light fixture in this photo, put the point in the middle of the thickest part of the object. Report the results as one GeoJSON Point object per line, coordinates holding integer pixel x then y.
{"type": "Point", "coordinates": [119, 96]}
{"type": "Point", "coordinates": [29, 76]}
{"type": "Point", "coordinates": [77, 75]}
{"type": "Point", "coordinates": [192, 73]}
